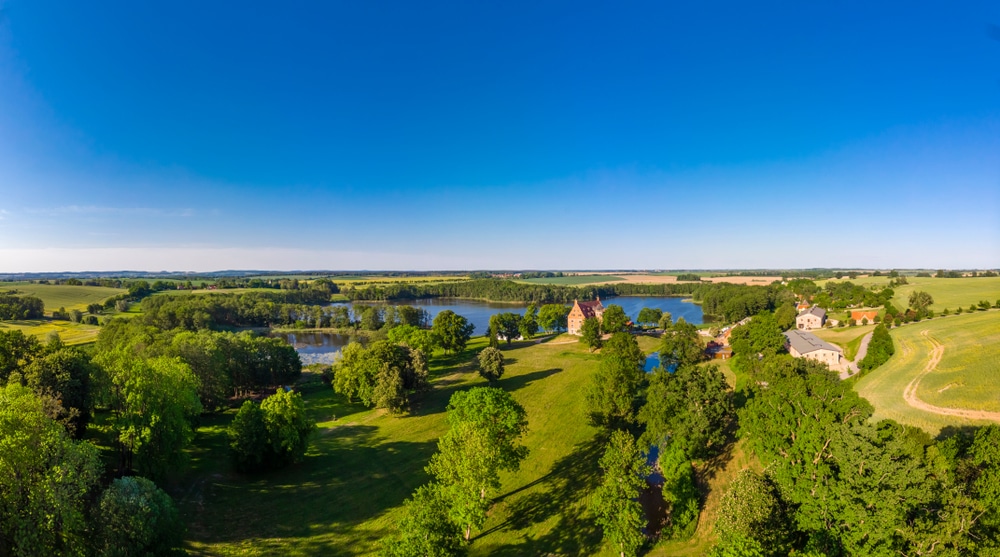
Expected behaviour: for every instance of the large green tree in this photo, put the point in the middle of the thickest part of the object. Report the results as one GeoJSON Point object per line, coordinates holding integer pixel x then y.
{"type": "Point", "coordinates": [490, 362]}
{"type": "Point", "coordinates": [614, 501]}
{"type": "Point", "coordinates": [691, 407]}
{"type": "Point", "coordinates": [452, 331]}
{"type": "Point", "coordinates": [136, 519]}
{"type": "Point", "coordinates": [614, 391]}
{"type": "Point", "coordinates": [755, 341]}
{"type": "Point", "coordinates": [155, 402]}
{"type": "Point", "coordinates": [614, 320]}
{"type": "Point", "coordinates": [426, 528]}
{"type": "Point", "coordinates": [552, 317]}
{"type": "Point", "coordinates": [486, 425]}
{"type": "Point", "coordinates": [46, 480]}
{"type": "Point", "coordinates": [752, 508]}
{"type": "Point", "coordinates": [382, 375]}
{"type": "Point", "coordinates": [680, 346]}
{"type": "Point", "coordinates": [507, 325]}
{"type": "Point", "coordinates": [590, 333]}
{"type": "Point", "coordinates": [649, 316]}
{"type": "Point", "coordinates": [63, 376]}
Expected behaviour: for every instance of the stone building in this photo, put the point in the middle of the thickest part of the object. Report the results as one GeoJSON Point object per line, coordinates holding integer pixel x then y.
{"type": "Point", "coordinates": [801, 344]}
{"type": "Point", "coordinates": [582, 311]}
{"type": "Point", "coordinates": [812, 318]}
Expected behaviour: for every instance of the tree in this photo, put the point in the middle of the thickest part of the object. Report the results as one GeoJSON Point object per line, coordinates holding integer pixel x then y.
{"type": "Point", "coordinates": [756, 340]}
{"type": "Point", "coordinates": [270, 435]}
{"type": "Point", "coordinates": [154, 401]}
{"type": "Point", "coordinates": [414, 337]}
{"type": "Point", "coordinates": [752, 508]}
{"type": "Point", "coordinates": [880, 349]}
{"type": "Point", "coordinates": [210, 356]}
{"type": "Point", "coordinates": [17, 350]}
{"type": "Point", "coordinates": [614, 390]}
{"type": "Point", "coordinates": [381, 375]}
{"type": "Point", "coordinates": [552, 317]}
{"type": "Point", "coordinates": [507, 325]}
{"type": "Point", "coordinates": [785, 316]}
{"type": "Point", "coordinates": [691, 407]}
{"type": "Point", "coordinates": [666, 320]}
{"type": "Point", "coordinates": [528, 326]}
{"type": "Point", "coordinates": [452, 331]}
{"type": "Point", "coordinates": [136, 518]}
{"type": "Point", "coordinates": [590, 333]}
{"type": "Point", "coordinates": [371, 318]}
{"type": "Point", "coordinates": [426, 529]}
{"type": "Point", "coordinates": [490, 364]}
{"type": "Point", "coordinates": [614, 502]}
{"type": "Point", "coordinates": [63, 376]}
{"type": "Point", "coordinates": [483, 440]}
{"type": "Point", "coordinates": [680, 346]}
{"type": "Point", "coordinates": [46, 479]}
{"type": "Point", "coordinates": [614, 319]}
{"type": "Point", "coordinates": [920, 301]}
{"type": "Point", "coordinates": [649, 316]}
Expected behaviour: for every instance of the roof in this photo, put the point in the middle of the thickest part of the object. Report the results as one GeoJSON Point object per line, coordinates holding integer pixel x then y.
{"type": "Point", "coordinates": [858, 315]}
{"type": "Point", "coordinates": [804, 342]}
{"type": "Point", "coordinates": [815, 310]}
{"type": "Point", "coordinates": [590, 309]}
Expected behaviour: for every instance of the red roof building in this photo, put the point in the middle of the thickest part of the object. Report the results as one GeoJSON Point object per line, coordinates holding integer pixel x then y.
{"type": "Point", "coordinates": [582, 311]}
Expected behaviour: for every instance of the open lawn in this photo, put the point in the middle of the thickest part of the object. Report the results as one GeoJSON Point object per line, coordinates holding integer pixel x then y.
{"type": "Point", "coordinates": [944, 373]}
{"type": "Point", "coordinates": [947, 293]}
{"type": "Point", "coordinates": [848, 338]}
{"type": "Point", "coordinates": [69, 332]}
{"type": "Point", "coordinates": [363, 464]}
{"type": "Point", "coordinates": [55, 296]}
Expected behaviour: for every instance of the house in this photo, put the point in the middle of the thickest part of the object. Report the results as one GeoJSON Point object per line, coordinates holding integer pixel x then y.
{"type": "Point", "coordinates": [582, 311]}
{"type": "Point", "coordinates": [803, 305]}
{"type": "Point", "coordinates": [718, 351]}
{"type": "Point", "coordinates": [868, 316]}
{"type": "Point", "coordinates": [812, 318]}
{"type": "Point", "coordinates": [801, 344]}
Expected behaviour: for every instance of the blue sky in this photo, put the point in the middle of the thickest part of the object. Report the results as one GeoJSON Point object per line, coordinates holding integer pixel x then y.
{"type": "Point", "coordinates": [552, 135]}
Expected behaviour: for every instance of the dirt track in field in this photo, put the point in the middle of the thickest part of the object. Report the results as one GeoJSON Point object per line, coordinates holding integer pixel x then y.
{"type": "Point", "coordinates": [910, 393]}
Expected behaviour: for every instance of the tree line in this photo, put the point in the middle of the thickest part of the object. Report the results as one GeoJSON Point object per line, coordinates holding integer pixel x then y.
{"type": "Point", "coordinates": [13, 306]}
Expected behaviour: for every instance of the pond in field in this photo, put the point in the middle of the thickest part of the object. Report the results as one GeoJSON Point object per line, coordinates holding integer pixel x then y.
{"type": "Point", "coordinates": [321, 347]}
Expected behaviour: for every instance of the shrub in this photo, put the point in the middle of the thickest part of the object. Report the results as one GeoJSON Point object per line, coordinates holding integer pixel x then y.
{"type": "Point", "coordinates": [490, 363]}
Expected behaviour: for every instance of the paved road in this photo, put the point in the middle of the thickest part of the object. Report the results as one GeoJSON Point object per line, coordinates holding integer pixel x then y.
{"type": "Point", "coordinates": [852, 367]}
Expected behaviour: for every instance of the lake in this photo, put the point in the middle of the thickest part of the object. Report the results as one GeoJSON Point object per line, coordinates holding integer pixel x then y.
{"type": "Point", "coordinates": [324, 348]}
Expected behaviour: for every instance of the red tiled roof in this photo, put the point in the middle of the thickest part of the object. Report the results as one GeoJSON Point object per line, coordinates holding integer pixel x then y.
{"type": "Point", "coordinates": [590, 309]}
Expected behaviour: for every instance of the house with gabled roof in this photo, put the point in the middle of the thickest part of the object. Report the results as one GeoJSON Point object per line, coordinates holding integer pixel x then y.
{"type": "Point", "coordinates": [582, 311]}
{"type": "Point", "coordinates": [801, 344]}
{"type": "Point", "coordinates": [862, 317]}
{"type": "Point", "coordinates": [812, 318]}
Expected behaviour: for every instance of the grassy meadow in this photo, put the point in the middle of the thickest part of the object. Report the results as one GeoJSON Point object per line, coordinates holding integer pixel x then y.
{"type": "Point", "coordinates": [848, 338]}
{"type": "Point", "coordinates": [69, 332]}
{"type": "Point", "coordinates": [948, 293]}
{"type": "Point", "coordinates": [965, 378]}
{"type": "Point", "coordinates": [55, 296]}
{"type": "Point", "coordinates": [362, 464]}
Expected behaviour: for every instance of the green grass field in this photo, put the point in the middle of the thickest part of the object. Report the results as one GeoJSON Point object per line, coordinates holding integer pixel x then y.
{"type": "Point", "coordinates": [966, 377]}
{"type": "Point", "coordinates": [363, 464]}
{"type": "Point", "coordinates": [848, 338]}
{"type": "Point", "coordinates": [947, 293]}
{"type": "Point", "coordinates": [574, 280]}
{"type": "Point", "coordinates": [55, 296]}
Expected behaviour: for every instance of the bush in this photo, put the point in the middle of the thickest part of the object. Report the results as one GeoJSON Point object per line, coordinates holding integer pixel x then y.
{"type": "Point", "coordinates": [137, 518]}
{"type": "Point", "coordinates": [272, 435]}
{"type": "Point", "coordinates": [490, 363]}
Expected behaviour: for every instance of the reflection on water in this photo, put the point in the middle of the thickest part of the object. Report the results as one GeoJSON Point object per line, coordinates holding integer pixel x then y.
{"type": "Point", "coordinates": [316, 347]}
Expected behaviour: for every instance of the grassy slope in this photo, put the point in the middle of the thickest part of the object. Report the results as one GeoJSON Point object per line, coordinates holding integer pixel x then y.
{"type": "Point", "coordinates": [970, 366]}
{"type": "Point", "coordinates": [848, 338]}
{"type": "Point", "coordinates": [363, 464]}
{"type": "Point", "coordinates": [57, 295]}
{"type": "Point", "coordinates": [69, 332]}
{"type": "Point", "coordinates": [947, 293]}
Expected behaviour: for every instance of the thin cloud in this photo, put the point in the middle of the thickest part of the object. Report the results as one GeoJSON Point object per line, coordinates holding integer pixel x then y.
{"type": "Point", "coordinates": [99, 210]}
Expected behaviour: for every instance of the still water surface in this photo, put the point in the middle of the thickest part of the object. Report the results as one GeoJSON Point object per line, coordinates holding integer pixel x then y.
{"type": "Point", "coordinates": [318, 347]}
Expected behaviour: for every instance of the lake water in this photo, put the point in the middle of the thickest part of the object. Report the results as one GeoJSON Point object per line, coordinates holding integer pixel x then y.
{"type": "Point", "coordinates": [316, 347]}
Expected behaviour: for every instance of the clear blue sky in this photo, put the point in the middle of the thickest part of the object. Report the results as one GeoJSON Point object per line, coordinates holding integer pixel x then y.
{"type": "Point", "coordinates": [553, 135]}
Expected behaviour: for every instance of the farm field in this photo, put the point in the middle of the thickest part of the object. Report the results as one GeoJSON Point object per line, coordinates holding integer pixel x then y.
{"type": "Point", "coordinates": [947, 293]}
{"type": "Point", "coordinates": [950, 363]}
{"type": "Point", "coordinates": [55, 296]}
{"type": "Point", "coordinates": [848, 338]}
{"type": "Point", "coordinates": [574, 280]}
{"type": "Point", "coordinates": [69, 332]}
{"type": "Point", "coordinates": [363, 464]}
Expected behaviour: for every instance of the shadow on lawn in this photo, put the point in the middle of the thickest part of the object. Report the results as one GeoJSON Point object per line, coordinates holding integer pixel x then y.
{"type": "Point", "coordinates": [435, 400]}
{"type": "Point", "coordinates": [349, 476]}
{"type": "Point", "coordinates": [563, 494]}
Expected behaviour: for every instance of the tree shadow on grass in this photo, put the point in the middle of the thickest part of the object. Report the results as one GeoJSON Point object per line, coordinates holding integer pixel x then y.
{"type": "Point", "coordinates": [435, 399]}
{"type": "Point", "coordinates": [562, 493]}
{"type": "Point", "coordinates": [349, 476]}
